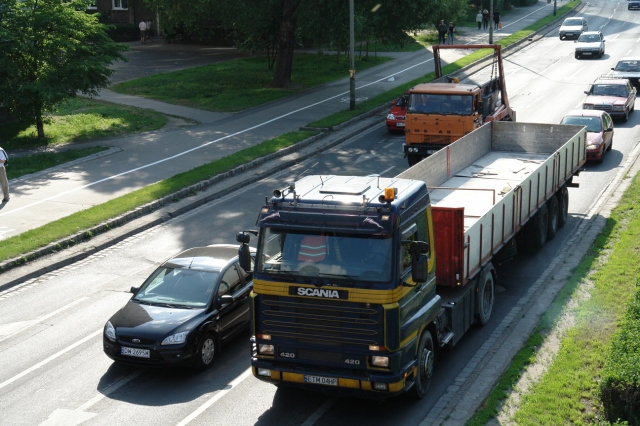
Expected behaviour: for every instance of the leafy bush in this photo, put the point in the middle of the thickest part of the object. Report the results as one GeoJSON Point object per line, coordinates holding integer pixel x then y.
{"type": "Point", "coordinates": [122, 33]}
{"type": "Point", "coordinates": [620, 385]}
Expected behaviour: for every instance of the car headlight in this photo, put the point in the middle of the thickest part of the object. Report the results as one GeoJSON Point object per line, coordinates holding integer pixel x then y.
{"type": "Point", "coordinates": [618, 108]}
{"type": "Point", "coordinates": [587, 106]}
{"type": "Point", "coordinates": [380, 361]}
{"type": "Point", "coordinates": [175, 339]}
{"type": "Point", "coordinates": [391, 117]}
{"type": "Point", "coordinates": [265, 349]}
{"type": "Point", "coordinates": [109, 331]}
{"type": "Point", "coordinates": [591, 146]}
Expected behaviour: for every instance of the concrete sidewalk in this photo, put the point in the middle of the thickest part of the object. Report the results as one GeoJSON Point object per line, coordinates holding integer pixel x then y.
{"type": "Point", "coordinates": [139, 160]}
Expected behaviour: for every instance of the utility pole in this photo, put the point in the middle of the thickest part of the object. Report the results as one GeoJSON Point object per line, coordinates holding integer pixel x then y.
{"type": "Point", "coordinates": [554, 7]}
{"type": "Point", "coordinates": [491, 23]}
{"type": "Point", "coordinates": [352, 71]}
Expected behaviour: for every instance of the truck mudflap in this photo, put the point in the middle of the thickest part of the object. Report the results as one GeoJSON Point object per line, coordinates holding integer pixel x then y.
{"type": "Point", "coordinates": [373, 386]}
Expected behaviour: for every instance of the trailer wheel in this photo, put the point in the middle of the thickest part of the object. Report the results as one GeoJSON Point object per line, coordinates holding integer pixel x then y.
{"type": "Point", "coordinates": [554, 212]}
{"type": "Point", "coordinates": [563, 206]}
{"type": "Point", "coordinates": [486, 297]}
{"type": "Point", "coordinates": [426, 361]}
{"type": "Point", "coordinates": [536, 233]}
{"type": "Point", "coordinates": [414, 159]}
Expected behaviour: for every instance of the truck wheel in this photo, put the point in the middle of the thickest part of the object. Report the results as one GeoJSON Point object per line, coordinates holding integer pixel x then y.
{"type": "Point", "coordinates": [536, 233]}
{"type": "Point", "coordinates": [414, 159]}
{"type": "Point", "coordinates": [426, 360]}
{"type": "Point", "coordinates": [554, 212]}
{"type": "Point", "coordinates": [563, 206]}
{"type": "Point", "coordinates": [486, 297]}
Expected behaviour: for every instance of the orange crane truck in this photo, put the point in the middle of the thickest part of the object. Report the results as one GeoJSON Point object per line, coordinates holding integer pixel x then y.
{"type": "Point", "coordinates": [446, 109]}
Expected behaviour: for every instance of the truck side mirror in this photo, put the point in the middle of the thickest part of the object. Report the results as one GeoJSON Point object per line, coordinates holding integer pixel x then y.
{"type": "Point", "coordinates": [419, 268]}
{"type": "Point", "coordinates": [244, 252]}
{"type": "Point", "coordinates": [480, 106]}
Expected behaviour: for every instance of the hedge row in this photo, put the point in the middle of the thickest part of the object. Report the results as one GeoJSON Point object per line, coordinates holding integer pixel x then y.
{"type": "Point", "coordinates": [620, 384]}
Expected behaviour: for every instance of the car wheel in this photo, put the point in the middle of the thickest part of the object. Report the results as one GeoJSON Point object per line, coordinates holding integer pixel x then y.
{"type": "Point", "coordinates": [206, 353]}
{"type": "Point", "coordinates": [604, 149]}
{"type": "Point", "coordinates": [426, 360]}
{"type": "Point", "coordinates": [626, 116]}
{"type": "Point", "coordinates": [610, 145]}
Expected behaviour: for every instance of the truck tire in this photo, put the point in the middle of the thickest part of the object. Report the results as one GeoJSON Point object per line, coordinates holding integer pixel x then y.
{"type": "Point", "coordinates": [426, 360]}
{"type": "Point", "coordinates": [414, 159]}
{"type": "Point", "coordinates": [553, 213]}
{"type": "Point", "coordinates": [563, 206]}
{"type": "Point", "coordinates": [486, 297]}
{"type": "Point", "coordinates": [536, 232]}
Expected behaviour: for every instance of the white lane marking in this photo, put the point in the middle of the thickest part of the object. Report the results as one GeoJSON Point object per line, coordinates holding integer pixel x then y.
{"type": "Point", "coordinates": [614, 37]}
{"type": "Point", "coordinates": [385, 171]}
{"type": "Point", "coordinates": [66, 417]}
{"type": "Point", "coordinates": [319, 412]}
{"type": "Point", "coordinates": [205, 144]}
{"type": "Point", "coordinates": [51, 358]}
{"type": "Point", "coordinates": [387, 145]}
{"type": "Point", "coordinates": [215, 398]}
{"type": "Point", "coordinates": [574, 75]}
{"type": "Point", "coordinates": [8, 330]}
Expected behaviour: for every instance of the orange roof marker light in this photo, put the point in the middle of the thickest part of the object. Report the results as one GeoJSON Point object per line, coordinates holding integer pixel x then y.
{"type": "Point", "coordinates": [389, 195]}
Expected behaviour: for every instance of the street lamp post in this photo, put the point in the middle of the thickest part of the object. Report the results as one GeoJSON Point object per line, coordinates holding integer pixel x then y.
{"type": "Point", "coordinates": [554, 7]}
{"type": "Point", "coordinates": [491, 23]}
{"type": "Point", "coordinates": [352, 71]}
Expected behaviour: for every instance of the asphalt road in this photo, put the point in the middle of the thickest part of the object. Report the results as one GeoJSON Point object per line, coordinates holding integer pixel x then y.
{"type": "Point", "coordinates": [54, 371]}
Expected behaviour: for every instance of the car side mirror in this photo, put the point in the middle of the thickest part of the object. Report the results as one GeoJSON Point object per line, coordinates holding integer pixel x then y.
{"type": "Point", "coordinates": [610, 129]}
{"type": "Point", "coordinates": [225, 299]}
{"type": "Point", "coordinates": [134, 290]}
{"type": "Point", "coordinates": [586, 92]}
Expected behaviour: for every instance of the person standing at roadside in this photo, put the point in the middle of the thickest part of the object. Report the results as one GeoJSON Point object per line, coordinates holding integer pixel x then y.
{"type": "Point", "coordinates": [452, 28]}
{"type": "Point", "coordinates": [149, 30]}
{"type": "Point", "coordinates": [479, 19]}
{"type": "Point", "coordinates": [485, 19]}
{"type": "Point", "coordinates": [442, 32]}
{"type": "Point", "coordinates": [496, 19]}
{"type": "Point", "coordinates": [143, 31]}
{"type": "Point", "coordinates": [4, 182]}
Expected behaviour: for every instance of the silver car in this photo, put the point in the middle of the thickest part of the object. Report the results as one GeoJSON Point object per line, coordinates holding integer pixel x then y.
{"type": "Point", "coordinates": [573, 27]}
{"type": "Point", "coordinates": [629, 68]}
{"type": "Point", "coordinates": [590, 44]}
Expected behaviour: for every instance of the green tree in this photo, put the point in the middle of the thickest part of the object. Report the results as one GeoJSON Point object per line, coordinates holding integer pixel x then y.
{"type": "Point", "coordinates": [49, 51]}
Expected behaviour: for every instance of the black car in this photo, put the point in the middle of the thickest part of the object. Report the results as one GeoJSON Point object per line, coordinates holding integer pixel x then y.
{"type": "Point", "coordinates": [182, 314]}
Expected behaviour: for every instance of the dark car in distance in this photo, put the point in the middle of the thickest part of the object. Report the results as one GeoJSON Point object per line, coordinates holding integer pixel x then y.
{"type": "Point", "coordinates": [187, 308]}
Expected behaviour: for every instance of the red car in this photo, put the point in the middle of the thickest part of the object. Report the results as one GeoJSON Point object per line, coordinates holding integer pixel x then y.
{"type": "Point", "coordinates": [614, 95]}
{"type": "Point", "coordinates": [396, 116]}
{"type": "Point", "coordinates": [599, 131]}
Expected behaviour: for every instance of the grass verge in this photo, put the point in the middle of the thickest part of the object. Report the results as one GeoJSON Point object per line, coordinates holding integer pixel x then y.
{"type": "Point", "coordinates": [569, 392]}
{"type": "Point", "coordinates": [240, 84]}
{"type": "Point", "coordinates": [81, 119]}
{"type": "Point", "coordinates": [69, 225]}
{"type": "Point", "coordinates": [27, 164]}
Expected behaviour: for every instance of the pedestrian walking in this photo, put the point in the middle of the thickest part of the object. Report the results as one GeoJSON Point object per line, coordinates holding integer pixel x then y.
{"type": "Point", "coordinates": [143, 31]}
{"type": "Point", "coordinates": [479, 19]}
{"type": "Point", "coordinates": [452, 28]}
{"type": "Point", "coordinates": [485, 19]}
{"type": "Point", "coordinates": [442, 32]}
{"type": "Point", "coordinates": [4, 182]}
{"type": "Point", "coordinates": [496, 19]}
{"type": "Point", "coordinates": [149, 30]}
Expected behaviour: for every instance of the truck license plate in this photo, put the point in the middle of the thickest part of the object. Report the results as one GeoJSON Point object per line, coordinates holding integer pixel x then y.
{"type": "Point", "coordinates": [140, 353]}
{"type": "Point", "coordinates": [318, 380]}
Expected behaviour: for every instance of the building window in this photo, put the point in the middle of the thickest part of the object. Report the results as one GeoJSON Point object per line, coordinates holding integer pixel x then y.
{"type": "Point", "coordinates": [119, 4]}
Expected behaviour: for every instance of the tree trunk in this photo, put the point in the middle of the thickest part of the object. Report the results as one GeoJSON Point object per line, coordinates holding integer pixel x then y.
{"type": "Point", "coordinates": [40, 124]}
{"type": "Point", "coordinates": [286, 43]}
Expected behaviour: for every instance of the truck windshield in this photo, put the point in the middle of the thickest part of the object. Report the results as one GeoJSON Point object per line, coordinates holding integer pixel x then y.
{"type": "Point", "coordinates": [428, 103]}
{"type": "Point", "coordinates": [309, 255]}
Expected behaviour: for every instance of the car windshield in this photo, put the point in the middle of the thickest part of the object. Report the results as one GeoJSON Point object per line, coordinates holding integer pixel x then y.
{"type": "Point", "coordinates": [593, 123]}
{"type": "Point", "coordinates": [628, 66]}
{"type": "Point", "coordinates": [332, 255]}
{"type": "Point", "coordinates": [440, 104]}
{"type": "Point", "coordinates": [178, 287]}
{"type": "Point", "coordinates": [572, 23]}
{"type": "Point", "coordinates": [589, 38]}
{"type": "Point", "coordinates": [609, 90]}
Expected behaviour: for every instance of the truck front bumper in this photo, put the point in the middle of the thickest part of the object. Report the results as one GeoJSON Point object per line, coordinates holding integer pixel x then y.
{"type": "Point", "coordinates": [374, 386]}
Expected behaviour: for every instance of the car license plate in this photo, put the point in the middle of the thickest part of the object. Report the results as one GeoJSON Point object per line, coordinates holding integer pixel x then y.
{"type": "Point", "coordinates": [318, 380]}
{"type": "Point", "coordinates": [569, 34]}
{"type": "Point", "coordinates": [399, 124]}
{"type": "Point", "coordinates": [140, 353]}
{"type": "Point", "coordinates": [586, 53]}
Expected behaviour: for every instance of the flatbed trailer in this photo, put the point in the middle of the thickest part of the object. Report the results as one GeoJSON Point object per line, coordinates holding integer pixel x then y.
{"type": "Point", "coordinates": [361, 280]}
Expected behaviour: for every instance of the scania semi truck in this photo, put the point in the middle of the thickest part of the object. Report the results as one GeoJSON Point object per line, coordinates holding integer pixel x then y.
{"type": "Point", "coordinates": [361, 282]}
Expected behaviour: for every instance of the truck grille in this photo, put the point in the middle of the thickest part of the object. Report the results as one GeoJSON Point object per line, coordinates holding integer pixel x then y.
{"type": "Point", "coordinates": [313, 321]}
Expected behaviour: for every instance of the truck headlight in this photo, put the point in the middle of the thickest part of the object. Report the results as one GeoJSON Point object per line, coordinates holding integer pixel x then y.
{"type": "Point", "coordinates": [391, 117]}
{"type": "Point", "coordinates": [380, 361]}
{"type": "Point", "coordinates": [109, 331]}
{"type": "Point", "coordinates": [265, 349]}
{"type": "Point", "coordinates": [175, 339]}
